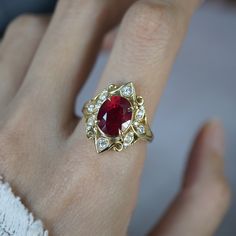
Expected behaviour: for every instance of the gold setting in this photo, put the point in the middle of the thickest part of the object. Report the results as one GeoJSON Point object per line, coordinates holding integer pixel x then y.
{"type": "Point", "coordinates": [138, 127]}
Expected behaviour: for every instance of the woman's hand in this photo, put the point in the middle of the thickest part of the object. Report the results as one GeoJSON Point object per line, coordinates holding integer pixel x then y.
{"type": "Point", "coordinates": [44, 152]}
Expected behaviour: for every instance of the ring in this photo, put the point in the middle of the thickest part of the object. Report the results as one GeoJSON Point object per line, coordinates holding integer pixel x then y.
{"type": "Point", "coordinates": [116, 118]}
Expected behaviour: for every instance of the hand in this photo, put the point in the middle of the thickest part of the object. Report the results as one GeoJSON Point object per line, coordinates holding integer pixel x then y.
{"type": "Point", "coordinates": [44, 152]}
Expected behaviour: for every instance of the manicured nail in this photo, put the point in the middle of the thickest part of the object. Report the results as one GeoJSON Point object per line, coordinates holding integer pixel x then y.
{"type": "Point", "coordinates": [214, 136]}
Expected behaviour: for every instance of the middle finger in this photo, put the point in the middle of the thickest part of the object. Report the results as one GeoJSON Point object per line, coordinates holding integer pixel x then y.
{"type": "Point", "coordinates": [66, 55]}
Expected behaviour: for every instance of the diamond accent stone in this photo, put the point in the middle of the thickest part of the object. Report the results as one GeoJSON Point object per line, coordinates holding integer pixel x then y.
{"type": "Point", "coordinates": [128, 139]}
{"type": "Point", "coordinates": [99, 102]}
{"type": "Point", "coordinates": [91, 108]}
{"type": "Point", "coordinates": [90, 125]}
{"type": "Point", "coordinates": [103, 96]}
{"type": "Point", "coordinates": [141, 129]}
{"type": "Point", "coordinates": [91, 121]}
{"type": "Point", "coordinates": [97, 106]}
{"type": "Point", "coordinates": [140, 113]}
{"type": "Point", "coordinates": [89, 129]}
{"type": "Point", "coordinates": [102, 143]}
{"type": "Point", "coordinates": [127, 90]}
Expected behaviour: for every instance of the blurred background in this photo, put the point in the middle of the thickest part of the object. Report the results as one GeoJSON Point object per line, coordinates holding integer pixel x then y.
{"type": "Point", "coordinates": [202, 85]}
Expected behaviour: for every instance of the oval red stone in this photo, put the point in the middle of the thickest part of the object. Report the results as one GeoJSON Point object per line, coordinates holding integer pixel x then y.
{"type": "Point", "coordinates": [115, 114]}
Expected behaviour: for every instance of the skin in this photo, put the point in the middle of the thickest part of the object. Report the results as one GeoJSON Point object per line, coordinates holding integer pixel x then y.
{"type": "Point", "coordinates": [44, 152]}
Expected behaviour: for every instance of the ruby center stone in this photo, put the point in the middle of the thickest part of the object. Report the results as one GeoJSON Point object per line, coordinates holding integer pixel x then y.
{"type": "Point", "coordinates": [115, 114]}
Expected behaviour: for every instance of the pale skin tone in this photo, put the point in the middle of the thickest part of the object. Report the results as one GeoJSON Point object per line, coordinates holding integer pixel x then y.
{"type": "Point", "coordinates": [44, 152]}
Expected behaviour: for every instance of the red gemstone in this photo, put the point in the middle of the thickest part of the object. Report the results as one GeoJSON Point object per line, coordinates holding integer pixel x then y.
{"type": "Point", "coordinates": [115, 114]}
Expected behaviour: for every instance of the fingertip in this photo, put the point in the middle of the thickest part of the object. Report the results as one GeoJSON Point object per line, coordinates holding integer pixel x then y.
{"type": "Point", "coordinates": [205, 170]}
{"type": "Point", "coordinates": [206, 156]}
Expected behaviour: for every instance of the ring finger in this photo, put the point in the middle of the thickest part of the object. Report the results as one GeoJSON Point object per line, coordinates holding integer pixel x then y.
{"type": "Point", "coordinates": [146, 46]}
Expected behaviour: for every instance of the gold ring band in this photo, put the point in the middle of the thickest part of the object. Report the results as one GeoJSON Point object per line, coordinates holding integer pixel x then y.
{"type": "Point", "coordinates": [116, 118]}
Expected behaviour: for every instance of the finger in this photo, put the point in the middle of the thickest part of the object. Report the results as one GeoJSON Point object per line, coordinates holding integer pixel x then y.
{"type": "Point", "coordinates": [204, 198]}
{"type": "Point", "coordinates": [67, 53]}
{"type": "Point", "coordinates": [146, 46]}
{"type": "Point", "coordinates": [17, 50]}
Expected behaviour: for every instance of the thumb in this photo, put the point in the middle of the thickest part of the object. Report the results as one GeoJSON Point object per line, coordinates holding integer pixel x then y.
{"type": "Point", "coordinates": [204, 198]}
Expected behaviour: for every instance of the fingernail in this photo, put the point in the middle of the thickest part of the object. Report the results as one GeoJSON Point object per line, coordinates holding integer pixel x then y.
{"type": "Point", "coordinates": [214, 136]}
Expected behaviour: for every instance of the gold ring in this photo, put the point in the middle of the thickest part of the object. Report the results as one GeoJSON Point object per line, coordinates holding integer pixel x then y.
{"type": "Point", "coordinates": [116, 118]}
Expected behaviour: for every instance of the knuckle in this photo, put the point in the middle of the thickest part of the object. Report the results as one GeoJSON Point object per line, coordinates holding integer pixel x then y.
{"type": "Point", "coordinates": [148, 22]}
